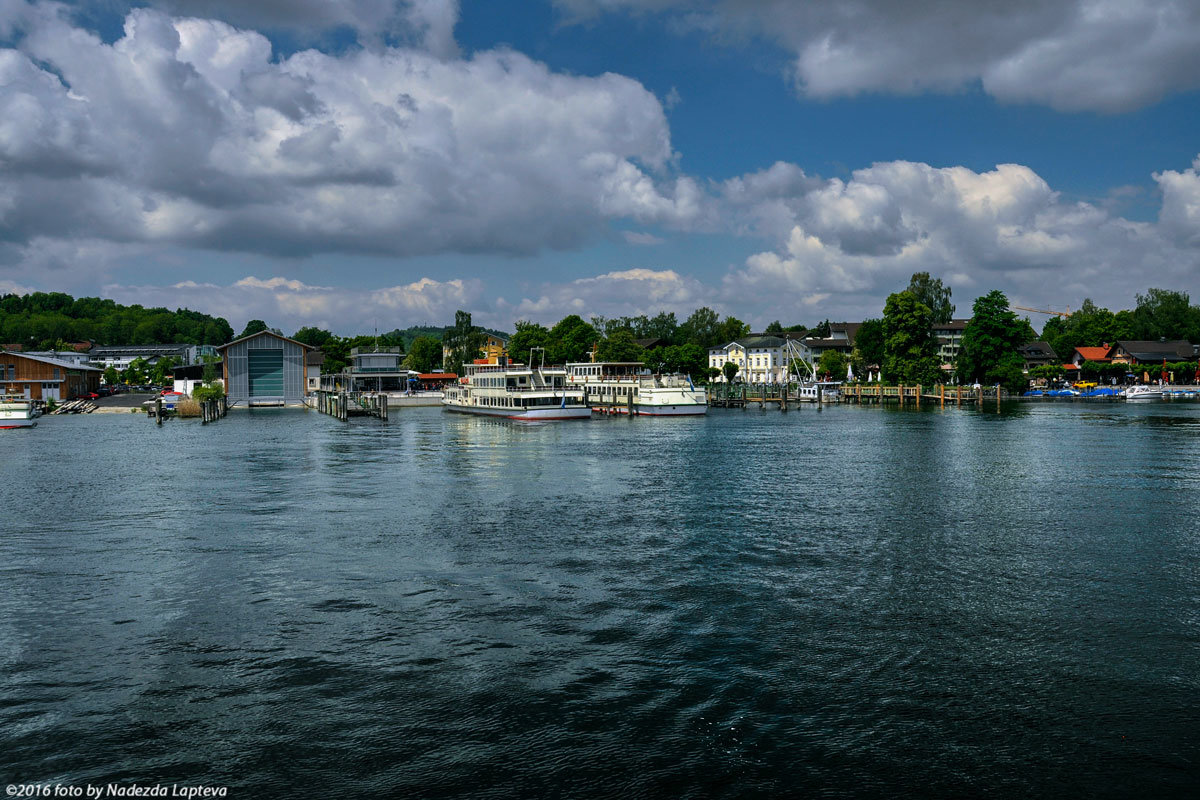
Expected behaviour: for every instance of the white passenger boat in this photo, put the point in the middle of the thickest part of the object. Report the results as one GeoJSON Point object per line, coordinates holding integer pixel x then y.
{"type": "Point", "coordinates": [1142, 392]}
{"type": "Point", "coordinates": [515, 391]}
{"type": "Point", "coordinates": [17, 412]}
{"type": "Point", "coordinates": [622, 387]}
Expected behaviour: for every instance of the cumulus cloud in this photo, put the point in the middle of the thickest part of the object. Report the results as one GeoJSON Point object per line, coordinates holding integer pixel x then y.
{"type": "Point", "coordinates": [1069, 54]}
{"type": "Point", "coordinates": [1180, 215]}
{"type": "Point", "coordinates": [291, 304]}
{"type": "Point", "coordinates": [189, 131]}
{"type": "Point", "coordinates": [856, 241]}
{"type": "Point", "coordinates": [619, 293]}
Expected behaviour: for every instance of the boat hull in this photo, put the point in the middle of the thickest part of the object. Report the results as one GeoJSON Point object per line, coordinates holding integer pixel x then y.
{"type": "Point", "coordinates": [13, 424]}
{"type": "Point", "coordinates": [685, 410]}
{"type": "Point", "coordinates": [527, 415]}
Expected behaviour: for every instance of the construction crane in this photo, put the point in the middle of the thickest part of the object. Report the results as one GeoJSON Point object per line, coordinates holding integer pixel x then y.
{"type": "Point", "coordinates": [1063, 314]}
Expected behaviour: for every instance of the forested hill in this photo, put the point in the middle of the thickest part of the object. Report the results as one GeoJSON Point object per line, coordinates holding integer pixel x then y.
{"type": "Point", "coordinates": [412, 332]}
{"type": "Point", "coordinates": [42, 320]}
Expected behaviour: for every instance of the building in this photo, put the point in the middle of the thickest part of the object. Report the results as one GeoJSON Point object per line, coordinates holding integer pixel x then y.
{"type": "Point", "coordinates": [1037, 354]}
{"type": "Point", "coordinates": [186, 379]}
{"type": "Point", "coordinates": [264, 369]}
{"type": "Point", "coordinates": [69, 356]}
{"type": "Point", "coordinates": [40, 378]}
{"type": "Point", "coordinates": [1143, 353]}
{"type": "Point", "coordinates": [313, 361]}
{"type": "Point", "coordinates": [379, 369]}
{"type": "Point", "coordinates": [760, 359]}
{"type": "Point", "coordinates": [949, 340]}
{"type": "Point", "coordinates": [120, 357]}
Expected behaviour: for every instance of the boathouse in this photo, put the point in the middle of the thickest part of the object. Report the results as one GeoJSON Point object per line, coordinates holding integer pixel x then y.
{"type": "Point", "coordinates": [264, 369]}
{"type": "Point", "coordinates": [40, 378]}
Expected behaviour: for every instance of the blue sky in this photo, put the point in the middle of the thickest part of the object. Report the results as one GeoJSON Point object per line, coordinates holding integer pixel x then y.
{"type": "Point", "coordinates": [351, 162]}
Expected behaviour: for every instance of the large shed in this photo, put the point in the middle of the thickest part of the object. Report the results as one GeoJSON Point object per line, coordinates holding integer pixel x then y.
{"type": "Point", "coordinates": [264, 369]}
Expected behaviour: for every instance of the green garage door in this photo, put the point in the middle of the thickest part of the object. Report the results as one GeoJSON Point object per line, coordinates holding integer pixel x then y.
{"type": "Point", "coordinates": [266, 373]}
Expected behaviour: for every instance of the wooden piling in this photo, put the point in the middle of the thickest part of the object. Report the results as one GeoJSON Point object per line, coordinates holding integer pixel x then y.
{"type": "Point", "coordinates": [158, 411]}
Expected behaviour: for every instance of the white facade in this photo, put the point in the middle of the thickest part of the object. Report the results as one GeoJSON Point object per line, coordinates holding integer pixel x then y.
{"type": "Point", "coordinates": [760, 359]}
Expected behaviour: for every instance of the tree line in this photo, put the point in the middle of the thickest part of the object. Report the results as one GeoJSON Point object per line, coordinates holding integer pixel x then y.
{"type": "Point", "coordinates": [53, 320]}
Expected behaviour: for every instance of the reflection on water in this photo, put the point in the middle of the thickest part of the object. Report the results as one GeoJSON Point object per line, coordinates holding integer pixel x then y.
{"type": "Point", "coordinates": [842, 601]}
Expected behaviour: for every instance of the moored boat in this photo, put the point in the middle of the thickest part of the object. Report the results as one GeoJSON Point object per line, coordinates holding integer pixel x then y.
{"type": "Point", "coordinates": [17, 412]}
{"type": "Point", "coordinates": [1141, 392]}
{"type": "Point", "coordinates": [621, 387]}
{"type": "Point", "coordinates": [515, 391]}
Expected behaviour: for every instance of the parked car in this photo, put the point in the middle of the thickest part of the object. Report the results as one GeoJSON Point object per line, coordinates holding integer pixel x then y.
{"type": "Point", "coordinates": [89, 396]}
{"type": "Point", "coordinates": [1084, 384]}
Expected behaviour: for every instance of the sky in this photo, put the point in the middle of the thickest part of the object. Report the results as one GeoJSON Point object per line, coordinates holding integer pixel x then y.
{"type": "Point", "coordinates": [363, 164]}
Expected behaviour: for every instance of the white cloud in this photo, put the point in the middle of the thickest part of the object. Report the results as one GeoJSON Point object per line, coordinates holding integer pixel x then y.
{"type": "Point", "coordinates": [1180, 215]}
{"type": "Point", "coordinates": [613, 294]}
{"type": "Point", "coordinates": [292, 304]}
{"type": "Point", "coordinates": [187, 131]}
{"type": "Point", "coordinates": [853, 242]}
{"type": "Point", "coordinates": [1103, 55]}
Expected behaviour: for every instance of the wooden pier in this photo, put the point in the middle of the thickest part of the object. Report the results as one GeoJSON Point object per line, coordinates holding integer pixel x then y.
{"type": "Point", "coordinates": [344, 405]}
{"type": "Point", "coordinates": [916, 395]}
{"type": "Point", "coordinates": [743, 395]}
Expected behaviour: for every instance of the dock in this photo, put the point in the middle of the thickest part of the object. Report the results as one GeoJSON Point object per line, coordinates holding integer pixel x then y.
{"type": "Point", "coordinates": [941, 395]}
{"type": "Point", "coordinates": [344, 405]}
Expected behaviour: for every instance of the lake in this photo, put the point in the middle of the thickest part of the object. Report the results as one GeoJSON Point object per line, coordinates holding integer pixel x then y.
{"type": "Point", "coordinates": [842, 602]}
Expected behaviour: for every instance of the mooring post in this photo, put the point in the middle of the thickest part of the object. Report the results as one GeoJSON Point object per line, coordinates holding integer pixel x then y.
{"type": "Point", "coordinates": [158, 411]}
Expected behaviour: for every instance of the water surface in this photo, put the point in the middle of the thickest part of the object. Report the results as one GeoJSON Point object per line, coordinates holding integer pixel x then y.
{"type": "Point", "coordinates": [844, 602]}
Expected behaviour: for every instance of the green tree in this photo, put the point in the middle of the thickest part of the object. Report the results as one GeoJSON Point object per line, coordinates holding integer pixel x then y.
{"type": "Point", "coordinates": [934, 294]}
{"type": "Point", "coordinates": [691, 359]}
{"type": "Point", "coordinates": [138, 371]}
{"type": "Point", "coordinates": [730, 369]}
{"type": "Point", "coordinates": [774, 329]}
{"type": "Point", "coordinates": [570, 340]}
{"type": "Point", "coordinates": [868, 342]}
{"type": "Point", "coordinates": [528, 336]}
{"type": "Point", "coordinates": [464, 341]}
{"type": "Point", "coordinates": [252, 327]}
{"type": "Point", "coordinates": [833, 364]}
{"type": "Point", "coordinates": [161, 369]}
{"type": "Point", "coordinates": [1165, 314]}
{"type": "Point", "coordinates": [111, 376]}
{"type": "Point", "coordinates": [988, 352]}
{"type": "Point", "coordinates": [313, 337]}
{"type": "Point", "coordinates": [702, 328]}
{"type": "Point", "coordinates": [910, 351]}
{"type": "Point", "coordinates": [620, 346]}
{"type": "Point", "coordinates": [730, 330]}
{"type": "Point", "coordinates": [662, 326]}
{"type": "Point", "coordinates": [423, 354]}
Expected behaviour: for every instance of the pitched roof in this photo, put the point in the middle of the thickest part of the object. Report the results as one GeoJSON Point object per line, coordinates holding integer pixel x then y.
{"type": "Point", "coordinates": [1155, 351]}
{"type": "Point", "coordinates": [1038, 350]}
{"type": "Point", "coordinates": [1098, 354]}
{"type": "Point", "coordinates": [760, 341]}
{"type": "Point", "coordinates": [54, 362]}
{"type": "Point", "coordinates": [265, 333]}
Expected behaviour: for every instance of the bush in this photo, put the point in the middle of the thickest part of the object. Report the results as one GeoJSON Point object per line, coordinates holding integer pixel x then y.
{"type": "Point", "coordinates": [210, 391]}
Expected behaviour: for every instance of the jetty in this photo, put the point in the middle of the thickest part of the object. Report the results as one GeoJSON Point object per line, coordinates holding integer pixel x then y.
{"type": "Point", "coordinates": [344, 405]}
{"type": "Point", "coordinates": [743, 395]}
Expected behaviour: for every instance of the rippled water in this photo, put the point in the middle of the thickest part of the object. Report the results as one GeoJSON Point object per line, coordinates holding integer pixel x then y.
{"type": "Point", "coordinates": [850, 602]}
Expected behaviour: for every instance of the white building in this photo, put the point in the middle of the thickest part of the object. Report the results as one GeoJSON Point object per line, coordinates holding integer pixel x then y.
{"type": "Point", "coordinates": [760, 359]}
